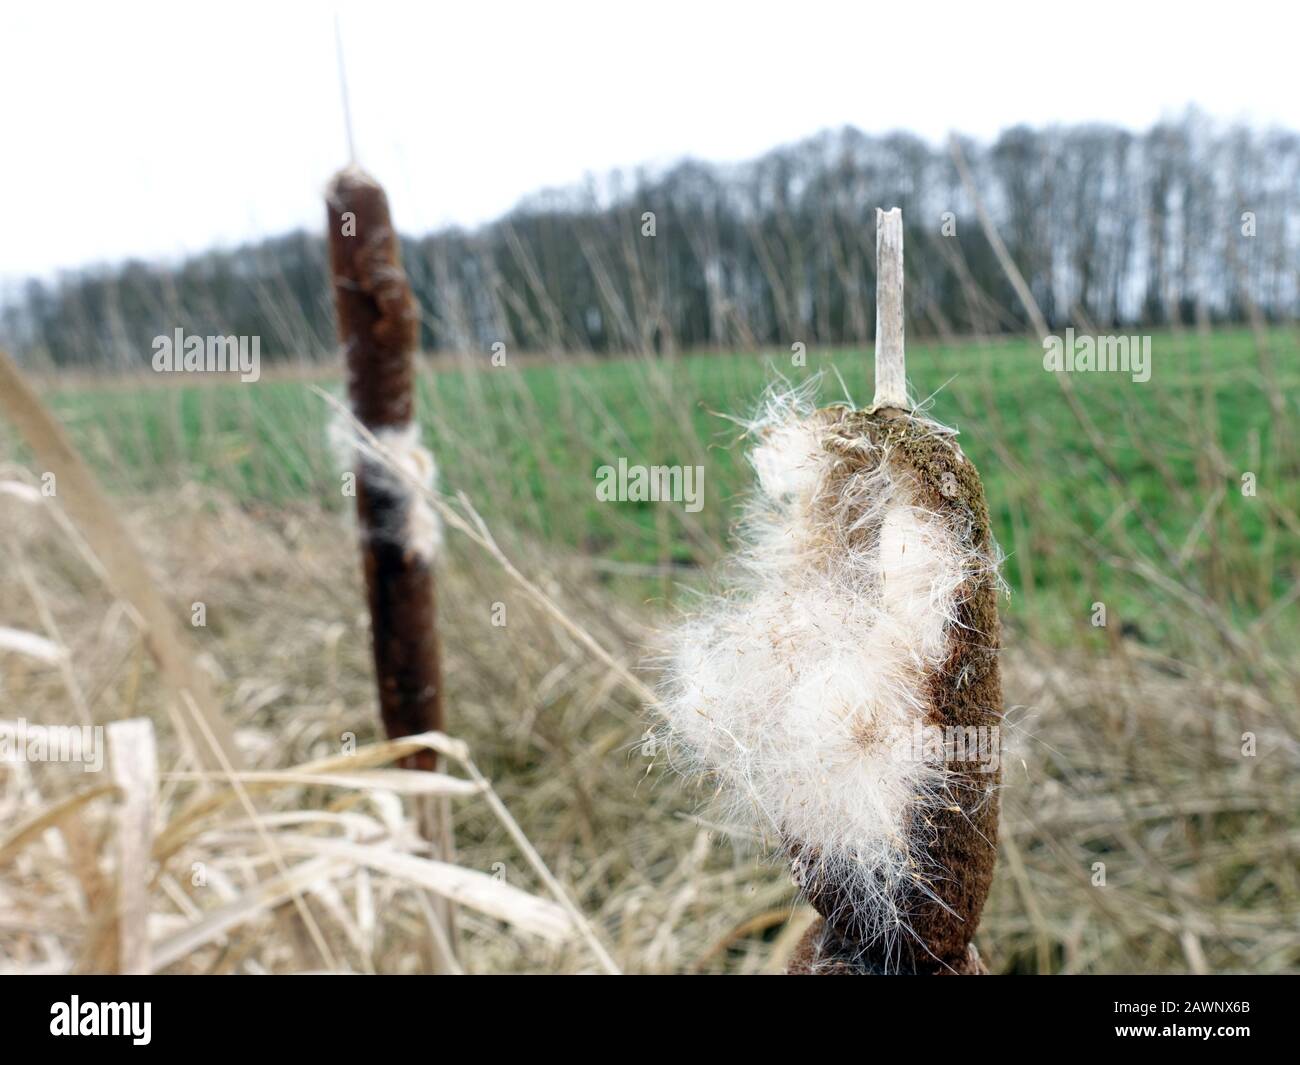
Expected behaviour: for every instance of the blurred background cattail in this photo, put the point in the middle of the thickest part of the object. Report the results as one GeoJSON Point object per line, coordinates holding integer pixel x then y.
{"type": "Point", "coordinates": [378, 323]}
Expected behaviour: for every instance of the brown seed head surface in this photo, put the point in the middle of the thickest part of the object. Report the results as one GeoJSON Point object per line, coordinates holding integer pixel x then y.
{"type": "Point", "coordinates": [378, 325]}
{"type": "Point", "coordinates": [378, 320]}
{"type": "Point", "coordinates": [958, 842]}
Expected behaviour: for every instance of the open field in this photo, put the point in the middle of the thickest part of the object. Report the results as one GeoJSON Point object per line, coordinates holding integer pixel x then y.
{"type": "Point", "coordinates": [1156, 477]}
{"type": "Point", "coordinates": [1124, 745]}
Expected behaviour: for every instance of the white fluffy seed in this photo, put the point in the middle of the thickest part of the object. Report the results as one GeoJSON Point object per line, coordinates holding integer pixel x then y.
{"type": "Point", "coordinates": [800, 690]}
{"type": "Point", "coordinates": [403, 467]}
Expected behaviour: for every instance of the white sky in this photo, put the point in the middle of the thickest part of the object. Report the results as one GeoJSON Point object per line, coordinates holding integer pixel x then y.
{"type": "Point", "coordinates": [159, 130]}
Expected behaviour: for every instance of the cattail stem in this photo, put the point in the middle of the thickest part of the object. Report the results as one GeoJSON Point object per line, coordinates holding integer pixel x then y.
{"type": "Point", "coordinates": [378, 325]}
{"type": "Point", "coordinates": [891, 373]}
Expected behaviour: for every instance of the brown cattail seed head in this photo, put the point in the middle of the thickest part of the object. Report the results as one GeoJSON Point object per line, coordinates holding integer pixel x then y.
{"type": "Point", "coordinates": [378, 320]}
{"type": "Point", "coordinates": [378, 325]}
{"type": "Point", "coordinates": [857, 641]}
{"type": "Point", "coordinates": [956, 840]}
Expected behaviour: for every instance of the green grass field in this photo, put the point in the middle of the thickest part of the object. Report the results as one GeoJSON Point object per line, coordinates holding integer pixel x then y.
{"type": "Point", "coordinates": [1155, 481]}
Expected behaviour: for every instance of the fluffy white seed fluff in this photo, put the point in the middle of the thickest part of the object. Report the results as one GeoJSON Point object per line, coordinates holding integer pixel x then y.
{"type": "Point", "coordinates": [399, 464]}
{"type": "Point", "coordinates": [799, 691]}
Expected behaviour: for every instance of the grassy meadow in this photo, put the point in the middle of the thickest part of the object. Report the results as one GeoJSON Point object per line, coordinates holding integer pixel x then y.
{"type": "Point", "coordinates": [1072, 505]}
{"type": "Point", "coordinates": [1125, 742]}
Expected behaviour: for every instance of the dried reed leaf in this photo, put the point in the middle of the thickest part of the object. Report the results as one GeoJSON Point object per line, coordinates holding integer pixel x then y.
{"type": "Point", "coordinates": [400, 781]}
{"type": "Point", "coordinates": [133, 761]}
{"type": "Point", "coordinates": [186, 823]}
{"type": "Point", "coordinates": [49, 817]}
{"type": "Point", "coordinates": [264, 898]}
{"type": "Point", "coordinates": [464, 886]}
{"type": "Point", "coordinates": [20, 490]}
{"type": "Point", "coordinates": [97, 521]}
{"type": "Point", "coordinates": [31, 645]}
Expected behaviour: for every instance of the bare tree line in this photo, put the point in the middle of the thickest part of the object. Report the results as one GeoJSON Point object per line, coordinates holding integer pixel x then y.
{"type": "Point", "coordinates": [1111, 229]}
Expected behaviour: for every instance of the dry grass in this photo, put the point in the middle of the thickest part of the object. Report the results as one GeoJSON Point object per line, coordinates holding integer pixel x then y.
{"type": "Point", "coordinates": [1117, 756]}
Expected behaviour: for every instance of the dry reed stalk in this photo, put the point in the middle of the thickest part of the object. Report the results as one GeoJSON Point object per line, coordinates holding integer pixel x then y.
{"type": "Point", "coordinates": [134, 762]}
